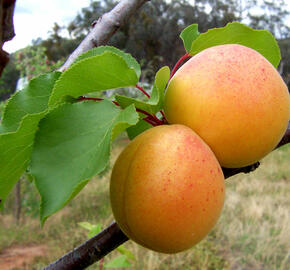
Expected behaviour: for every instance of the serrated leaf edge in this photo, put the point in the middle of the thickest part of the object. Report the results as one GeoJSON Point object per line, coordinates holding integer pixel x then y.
{"type": "Point", "coordinates": [18, 93]}
{"type": "Point", "coordinates": [50, 103]}
{"type": "Point", "coordinates": [114, 48]}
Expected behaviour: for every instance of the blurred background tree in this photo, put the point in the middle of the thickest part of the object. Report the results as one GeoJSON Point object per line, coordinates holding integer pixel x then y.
{"type": "Point", "coordinates": [33, 61]}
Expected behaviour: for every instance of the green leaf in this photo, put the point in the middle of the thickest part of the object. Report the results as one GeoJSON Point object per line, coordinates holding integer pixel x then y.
{"type": "Point", "coordinates": [118, 262]}
{"type": "Point", "coordinates": [72, 145]}
{"type": "Point", "coordinates": [86, 225]}
{"type": "Point", "coordinates": [129, 255]}
{"type": "Point", "coordinates": [97, 73]}
{"type": "Point", "coordinates": [32, 99]}
{"type": "Point", "coordinates": [237, 33]}
{"type": "Point", "coordinates": [131, 61]}
{"type": "Point", "coordinates": [22, 115]}
{"type": "Point", "coordinates": [93, 229]}
{"type": "Point", "coordinates": [188, 35]}
{"type": "Point", "coordinates": [155, 103]}
{"type": "Point", "coordinates": [139, 128]}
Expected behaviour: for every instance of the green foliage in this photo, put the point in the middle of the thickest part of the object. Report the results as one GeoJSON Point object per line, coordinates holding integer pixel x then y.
{"type": "Point", "coordinates": [118, 262]}
{"type": "Point", "coordinates": [18, 128]}
{"type": "Point", "coordinates": [113, 71]}
{"type": "Point", "coordinates": [130, 61]}
{"type": "Point", "coordinates": [27, 107]}
{"type": "Point", "coordinates": [188, 35]}
{"type": "Point", "coordinates": [33, 99]}
{"type": "Point", "coordinates": [73, 144]}
{"type": "Point", "coordinates": [155, 102]}
{"type": "Point", "coordinates": [259, 40]}
{"type": "Point", "coordinates": [93, 229]}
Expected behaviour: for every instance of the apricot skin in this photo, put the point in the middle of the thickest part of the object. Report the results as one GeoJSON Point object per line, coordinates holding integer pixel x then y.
{"type": "Point", "coordinates": [167, 189]}
{"type": "Point", "coordinates": [234, 99]}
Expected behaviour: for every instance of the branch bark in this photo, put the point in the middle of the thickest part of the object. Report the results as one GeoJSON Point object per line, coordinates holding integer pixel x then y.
{"type": "Point", "coordinates": [228, 172]}
{"type": "Point", "coordinates": [105, 27]}
{"type": "Point", "coordinates": [110, 238]}
{"type": "Point", "coordinates": [91, 251]}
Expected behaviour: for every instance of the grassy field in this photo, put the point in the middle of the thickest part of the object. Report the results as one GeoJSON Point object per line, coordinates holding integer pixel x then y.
{"type": "Point", "coordinates": [252, 233]}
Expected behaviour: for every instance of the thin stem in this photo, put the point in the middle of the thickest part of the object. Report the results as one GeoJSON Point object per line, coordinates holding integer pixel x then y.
{"type": "Point", "coordinates": [160, 122]}
{"type": "Point", "coordinates": [144, 112]}
{"type": "Point", "coordinates": [142, 90]}
{"type": "Point", "coordinates": [156, 119]}
{"type": "Point", "coordinates": [88, 98]}
{"type": "Point", "coordinates": [179, 63]}
{"type": "Point", "coordinates": [164, 117]}
{"type": "Point", "coordinates": [151, 119]}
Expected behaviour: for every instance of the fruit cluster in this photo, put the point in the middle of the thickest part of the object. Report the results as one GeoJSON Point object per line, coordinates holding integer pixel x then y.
{"type": "Point", "coordinates": [227, 106]}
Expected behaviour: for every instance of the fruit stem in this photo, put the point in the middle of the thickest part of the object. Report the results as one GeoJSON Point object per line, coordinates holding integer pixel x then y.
{"type": "Point", "coordinates": [151, 119]}
{"type": "Point", "coordinates": [187, 55]}
{"type": "Point", "coordinates": [164, 117]}
{"type": "Point", "coordinates": [142, 90]}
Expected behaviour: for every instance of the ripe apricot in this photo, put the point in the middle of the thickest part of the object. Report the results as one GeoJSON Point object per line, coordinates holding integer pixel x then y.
{"type": "Point", "coordinates": [234, 99]}
{"type": "Point", "coordinates": [167, 189]}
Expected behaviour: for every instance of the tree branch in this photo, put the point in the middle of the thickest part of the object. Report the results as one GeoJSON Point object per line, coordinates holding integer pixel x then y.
{"type": "Point", "coordinates": [110, 238]}
{"type": "Point", "coordinates": [286, 137]}
{"type": "Point", "coordinates": [91, 251]}
{"type": "Point", "coordinates": [228, 172]}
{"type": "Point", "coordinates": [105, 27]}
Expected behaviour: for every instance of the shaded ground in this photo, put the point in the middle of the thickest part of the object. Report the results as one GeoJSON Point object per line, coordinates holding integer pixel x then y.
{"type": "Point", "coordinates": [17, 257]}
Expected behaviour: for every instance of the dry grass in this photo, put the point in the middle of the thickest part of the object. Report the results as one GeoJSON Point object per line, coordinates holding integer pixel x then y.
{"type": "Point", "coordinates": [255, 221]}
{"type": "Point", "coordinates": [252, 233]}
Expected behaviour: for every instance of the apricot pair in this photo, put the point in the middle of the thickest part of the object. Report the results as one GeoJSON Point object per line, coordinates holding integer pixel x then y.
{"type": "Point", "coordinates": [227, 105]}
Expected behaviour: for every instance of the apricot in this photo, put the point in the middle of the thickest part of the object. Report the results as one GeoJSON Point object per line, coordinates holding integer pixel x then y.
{"type": "Point", "coordinates": [234, 99]}
{"type": "Point", "coordinates": [167, 189]}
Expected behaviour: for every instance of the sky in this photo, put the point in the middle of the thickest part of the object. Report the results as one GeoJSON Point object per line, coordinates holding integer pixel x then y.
{"type": "Point", "coordinates": [35, 18]}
